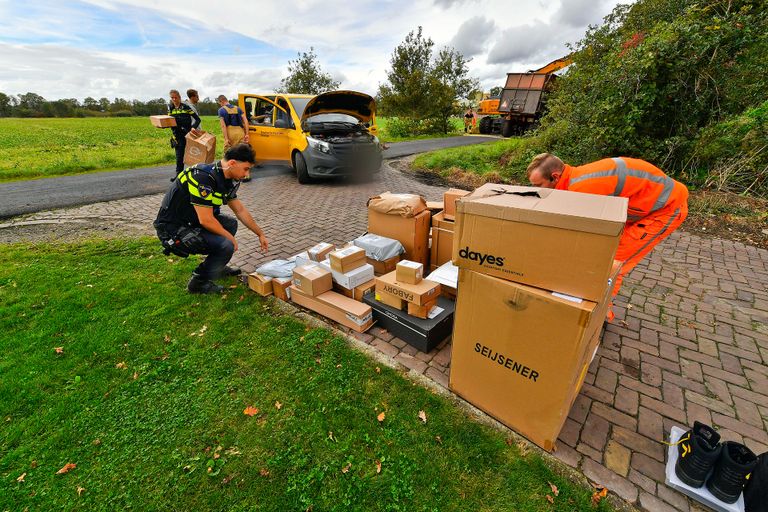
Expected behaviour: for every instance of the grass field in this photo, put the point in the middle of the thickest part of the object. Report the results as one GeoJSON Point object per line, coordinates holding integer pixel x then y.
{"type": "Point", "coordinates": [39, 148]}
{"type": "Point", "coordinates": [109, 365]}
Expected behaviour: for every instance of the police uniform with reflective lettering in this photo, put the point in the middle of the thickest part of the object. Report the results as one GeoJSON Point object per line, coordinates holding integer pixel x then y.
{"type": "Point", "coordinates": [178, 226]}
{"type": "Point", "coordinates": [657, 203]}
{"type": "Point", "coordinates": [186, 120]}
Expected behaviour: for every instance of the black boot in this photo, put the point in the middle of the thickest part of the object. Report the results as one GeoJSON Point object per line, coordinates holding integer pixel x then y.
{"type": "Point", "coordinates": [735, 464]}
{"type": "Point", "coordinates": [697, 452]}
{"type": "Point", "coordinates": [231, 271]}
{"type": "Point", "coordinates": [756, 491]}
{"type": "Point", "coordinates": [201, 285]}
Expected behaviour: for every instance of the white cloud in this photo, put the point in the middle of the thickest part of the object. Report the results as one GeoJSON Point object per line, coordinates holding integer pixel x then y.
{"type": "Point", "coordinates": [473, 35]}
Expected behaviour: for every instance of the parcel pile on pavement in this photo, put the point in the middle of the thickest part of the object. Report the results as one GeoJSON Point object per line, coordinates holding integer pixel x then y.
{"type": "Point", "coordinates": [520, 277]}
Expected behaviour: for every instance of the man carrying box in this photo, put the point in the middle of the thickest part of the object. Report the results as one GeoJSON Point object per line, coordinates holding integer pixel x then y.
{"type": "Point", "coordinates": [658, 205]}
{"type": "Point", "coordinates": [187, 120]}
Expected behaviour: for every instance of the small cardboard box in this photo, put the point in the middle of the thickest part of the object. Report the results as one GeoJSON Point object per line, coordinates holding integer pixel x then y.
{"type": "Point", "coordinates": [280, 287]}
{"type": "Point", "coordinates": [449, 200]}
{"type": "Point", "coordinates": [552, 239]}
{"type": "Point", "coordinates": [510, 359]}
{"type": "Point", "coordinates": [442, 240]}
{"type": "Point", "coordinates": [412, 232]}
{"type": "Point", "coordinates": [312, 279]}
{"type": "Point", "coordinates": [351, 279]}
{"type": "Point", "coordinates": [357, 292]}
{"type": "Point", "coordinates": [435, 206]}
{"type": "Point", "coordinates": [163, 121]}
{"type": "Point", "coordinates": [421, 311]}
{"type": "Point", "coordinates": [348, 312]}
{"type": "Point", "coordinates": [347, 259]}
{"type": "Point", "coordinates": [426, 334]}
{"type": "Point", "coordinates": [201, 149]}
{"type": "Point", "coordinates": [409, 272]}
{"type": "Point", "coordinates": [390, 300]}
{"type": "Point", "coordinates": [320, 251]}
{"type": "Point", "coordinates": [260, 284]}
{"type": "Point", "coordinates": [419, 294]}
{"type": "Point", "coordinates": [383, 267]}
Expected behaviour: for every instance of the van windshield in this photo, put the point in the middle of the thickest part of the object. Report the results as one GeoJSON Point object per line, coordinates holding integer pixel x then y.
{"type": "Point", "coordinates": [299, 104]}
{"type": "Point", "coordinates": [333, 118]}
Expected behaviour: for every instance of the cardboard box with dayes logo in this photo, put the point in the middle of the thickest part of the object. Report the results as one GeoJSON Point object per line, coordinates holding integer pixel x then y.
{"type": "Point", "coordinates": [519, 352]}
{"type": "Point", "coordinates": [442, 241]}
{"type": "Point", "coordinates": [552, 239]}
{"type": "Point", "coordinates": [260, 284]}
{"type": "Point", "coordinates": [312, 279]}
{"type": "Point", "coordinates": [424, 334]}
{"type": "Point", "coordinates": [419, 294]}
{"type": "Point", "coordinates": [449, 200]}
{"type": "Point", "coordinates": [201, 149]}
{"type": "Point", "coordinates": [409, 272]}
{"type": "Point", "coordinates": [346, 259]}
{"type": "Point", "coordinates": [320, 251]}
{"type": "Point", "coordinates": [162, 121]}
{"type": "Point", "coordinates": [348, 312]}
{"type": "Point", "coordinates": [412, 232]}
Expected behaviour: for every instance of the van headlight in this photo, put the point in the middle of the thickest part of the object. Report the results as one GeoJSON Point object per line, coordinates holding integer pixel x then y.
{"type": "Point", "coordinates": [319, 145]}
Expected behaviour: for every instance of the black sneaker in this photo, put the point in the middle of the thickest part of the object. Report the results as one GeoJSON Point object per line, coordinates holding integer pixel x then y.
{"type": "Point", "coordinates": [199, 285]}
{"type": "Point", "coordinates": [732, 470]}
{"type": "Point", "coordinates": [697, 452]}
{"type": "Point", "coordinates": [756, 490]}
{"type": "Point", "coordinates": [231, 271]}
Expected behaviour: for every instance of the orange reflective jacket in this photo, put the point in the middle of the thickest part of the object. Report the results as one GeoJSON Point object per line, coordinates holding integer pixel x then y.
{"type": "Point", "coordinates": [646, 186]}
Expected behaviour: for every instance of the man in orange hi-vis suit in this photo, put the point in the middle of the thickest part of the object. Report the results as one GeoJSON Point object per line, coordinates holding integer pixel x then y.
{"type": "Point", "coordinates": [657, 203]}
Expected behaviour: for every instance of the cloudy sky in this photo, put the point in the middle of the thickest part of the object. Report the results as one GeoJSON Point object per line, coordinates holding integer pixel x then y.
{"type": "Point", "coordinates": [138, 49]}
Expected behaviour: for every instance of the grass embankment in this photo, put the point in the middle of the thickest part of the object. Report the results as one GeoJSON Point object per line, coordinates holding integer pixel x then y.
{"type": "Point", "coordinates": [148, 393]}
{"type": "Point", "coordinates": [42, 148]}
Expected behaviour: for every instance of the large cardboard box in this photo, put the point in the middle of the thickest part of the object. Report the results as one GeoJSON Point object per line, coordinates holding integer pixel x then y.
{"type": "Point", "coordinates": [552, 239]}
{"type": "Point", "coordinates": [412, 232]}
{"type": "Point", "coordinates": [348, 312]}
{"type": "Point", "coordinates": [442, 240]}
{"type": "Point", "coordinates": [162, 121]}
{"type": "Point", "coordinates": [419, 294]}
{"type": "Point", "coordinates": [312, 279]}
{"type": "Point", "coordinates": [260, 284]}
{"type": "Point", "coordinates": [424, 334]}
{"type": "Point", "coordinates": [449, 200]}
{"type": "Point", "coordinates": [519, 352]}
{"type": "Point", "coordinates": [201, 149]}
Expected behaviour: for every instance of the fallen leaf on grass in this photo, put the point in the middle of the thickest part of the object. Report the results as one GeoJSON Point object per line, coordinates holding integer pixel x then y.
{"type": "Point", "coordinates": [80, 490]}
{"type": "Point", "coordinates": [381, 417]}
{"type": "Point", "coordinates": [599, 495]}
{"type": "Point", "coordinates": [251, 411]}
{"type": "Point", "coordinates": [232, 287]}
{"type": "Point", "coordinates": [378, 467]}
{"type": "Point", "coordinates": [227, 479]}
{"type": "Point", "coordinates": [59, 350]}
{"type": "Point", "coordinates": [121, 365]}
{"type": "Point", "coordinates": [554, 488]}
{"type": "Point", "coordinates": [224, 296]}
{"type": "Point", "coordinates": [167, 339]}
{"type": "Point", "coordinates": [423, 416]}
{"type": "Point", "coordinates": [345, 469]}
{"type": "Point", "coordinates": [330, 436]}
{"type": "Point", "coordinates": [550, 499]}
{"type": "Point", "coordinates": [66, 468]}
{"type": "Point", "coordinates": [96, 442]}
{"type": "Point", "coordinates": [233, 451]}
{"type": "Point", "coordinates": [241, 298]}
{"type": "Point", "coordinates": [135, 375]}
{"type": "Point", "coordinates": [278, 405]}
{"type": "Point", "coordinates": [439, 439]}
{"type": "Point", "coordinates": [264, 472]}
{"type": "Point", "coordinates": [378, 370]}
{"type": "Point", "coordinates": [21, 478]}
{"type": "Point", "coordinates": [33, 464]}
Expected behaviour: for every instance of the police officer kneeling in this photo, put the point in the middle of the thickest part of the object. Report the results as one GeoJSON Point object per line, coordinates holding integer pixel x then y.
{"type": "Point", "coordinates": [190, 221]}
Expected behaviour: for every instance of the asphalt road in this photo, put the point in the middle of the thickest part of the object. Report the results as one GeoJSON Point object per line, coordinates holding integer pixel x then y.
{"type": "Point", "coordinates": [46, 194]}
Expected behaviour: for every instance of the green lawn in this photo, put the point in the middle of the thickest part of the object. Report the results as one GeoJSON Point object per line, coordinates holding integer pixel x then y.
{"type": "Point", "coordinates": [147, 396]}
{"type": "Point", "coordinates": [41, 148]}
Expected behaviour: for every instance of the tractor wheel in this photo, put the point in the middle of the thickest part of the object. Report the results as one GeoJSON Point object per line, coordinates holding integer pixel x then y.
{"type": "Point", "coordinates": [486, 125]}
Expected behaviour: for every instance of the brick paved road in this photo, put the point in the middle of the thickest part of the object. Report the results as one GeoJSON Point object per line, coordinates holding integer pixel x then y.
{"type": "Point", "coordinates": [690, 341]}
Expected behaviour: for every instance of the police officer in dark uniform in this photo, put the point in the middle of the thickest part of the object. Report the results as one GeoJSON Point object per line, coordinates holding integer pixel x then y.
{"type": "Point", "coordinates": [190, 220]}
{"type": "Point", "coordinates": [187, 120]}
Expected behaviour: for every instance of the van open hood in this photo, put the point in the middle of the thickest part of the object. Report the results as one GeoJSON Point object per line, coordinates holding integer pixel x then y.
{"type": "Point", "coordinates": [356, 104]}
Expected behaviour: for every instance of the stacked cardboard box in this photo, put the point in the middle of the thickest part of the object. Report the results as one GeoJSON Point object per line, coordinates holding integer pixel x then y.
{"type": "Point", "coordinates": [418, 298]}
{"type": "Point", "coordinates": [408, 225]}
{"type": "Point", "coordinates": [535, 274]}
{"type": "Point", "coordinates": [260, 284]}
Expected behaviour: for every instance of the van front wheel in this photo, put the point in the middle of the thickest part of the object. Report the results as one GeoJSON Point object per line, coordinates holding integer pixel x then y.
{"type": "Point", "coordinates": [301, 169]}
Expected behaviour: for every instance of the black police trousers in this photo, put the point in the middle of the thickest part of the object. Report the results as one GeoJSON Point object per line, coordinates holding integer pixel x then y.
{"type": "Point", "coordinates": [220, 249]}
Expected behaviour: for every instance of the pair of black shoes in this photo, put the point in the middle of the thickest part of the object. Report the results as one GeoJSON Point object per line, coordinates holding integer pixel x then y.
{"type": "Point", "coordinates": [198, 284]}
{"type": "Point", "coordinates": [725, 467]}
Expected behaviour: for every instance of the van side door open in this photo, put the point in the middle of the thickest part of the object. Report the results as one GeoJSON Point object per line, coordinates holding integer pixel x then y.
{"type": "Point", "coordinates": [268, 128]}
